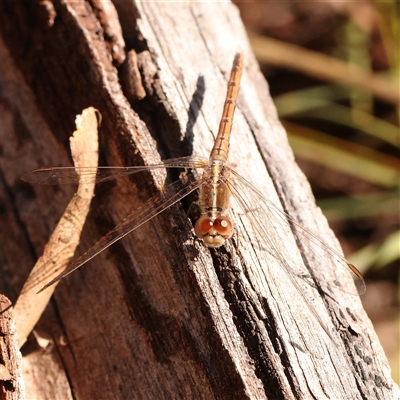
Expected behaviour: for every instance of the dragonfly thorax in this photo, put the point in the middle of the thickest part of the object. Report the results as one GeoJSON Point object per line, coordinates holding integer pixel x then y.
{"type": "Point", "coordinates": [214, 202]}
{"type": "Point", "coordinates": [213, 232]}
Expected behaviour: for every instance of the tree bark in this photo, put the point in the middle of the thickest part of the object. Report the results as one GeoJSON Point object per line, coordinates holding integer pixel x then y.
{"type": "Point", "coordinates": [11, 381]}
{"type": "Point", "coordinates": [158, 315]}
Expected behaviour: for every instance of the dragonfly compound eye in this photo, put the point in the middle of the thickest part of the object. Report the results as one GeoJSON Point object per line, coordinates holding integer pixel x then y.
{"type": "Point", "coordinates": [224, 227]}
{"type": "Point", "coordinates": [203, 225]}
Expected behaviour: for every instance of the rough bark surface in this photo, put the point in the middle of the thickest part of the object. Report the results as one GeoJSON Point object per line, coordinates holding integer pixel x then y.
{"type": "Point", "coordinates": [157, 315]}
{"type": "Point", "coordinates": [11, 380]}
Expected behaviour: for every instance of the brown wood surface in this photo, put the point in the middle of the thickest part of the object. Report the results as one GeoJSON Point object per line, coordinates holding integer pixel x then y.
{"type": "Point", "coordinates": [158, 315]}
{"type": "Point", "coordinates": [11, 380]}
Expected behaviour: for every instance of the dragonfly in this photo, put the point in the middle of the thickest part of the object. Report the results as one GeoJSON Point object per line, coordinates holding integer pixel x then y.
{"type": "Point", "coordinates": [217, 185]}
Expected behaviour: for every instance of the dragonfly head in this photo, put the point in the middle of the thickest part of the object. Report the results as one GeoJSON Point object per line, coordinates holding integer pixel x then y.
{"type": "Point", "coordinates": [213, 232]}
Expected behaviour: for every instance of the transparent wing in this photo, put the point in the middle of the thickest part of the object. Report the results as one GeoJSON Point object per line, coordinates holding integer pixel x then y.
{"type": "Point", "coordinates": [71, 175]}
{"type": "Point", "coordinates": [157, 204]}
{"type": "Point", "coordinates": [265, 235]}
{"type": "Point", "coordinates": [263, 217]}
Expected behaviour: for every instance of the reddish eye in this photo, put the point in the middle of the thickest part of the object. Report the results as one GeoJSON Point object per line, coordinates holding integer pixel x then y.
{"type": "Point", "coordinates": [203, 225]}
{"type": "Point", "coordinates": [223, 226]}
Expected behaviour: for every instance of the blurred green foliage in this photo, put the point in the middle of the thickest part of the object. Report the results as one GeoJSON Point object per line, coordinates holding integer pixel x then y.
{"type": "Point", "coordinates": [370, 151]}
{"type": "Point", "coordinates": [343, 125]}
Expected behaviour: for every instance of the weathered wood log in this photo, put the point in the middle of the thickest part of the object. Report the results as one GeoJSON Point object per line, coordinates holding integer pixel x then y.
{"type": "Point", "coordinates": [158, 315]}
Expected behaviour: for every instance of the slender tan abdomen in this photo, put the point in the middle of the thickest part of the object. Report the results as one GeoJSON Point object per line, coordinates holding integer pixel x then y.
{"type": "Point", "coordinates": [220, 150]}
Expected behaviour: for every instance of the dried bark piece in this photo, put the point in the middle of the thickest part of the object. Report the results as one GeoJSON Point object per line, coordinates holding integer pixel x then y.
{"type": "Point", "coordinates": [131, 79]}
{"type": "Point", "coordinates": [65, 239]}
{"type": "Point", "coordinates": [108, 18]}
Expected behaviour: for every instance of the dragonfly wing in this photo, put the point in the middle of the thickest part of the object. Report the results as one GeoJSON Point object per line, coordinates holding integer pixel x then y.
{"type": "Point", "coordinates": [71, 175]}
{"type": "Point", "coordinates": [157, 204]}
{"type": "Point", "coordinates": [265, 217]}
